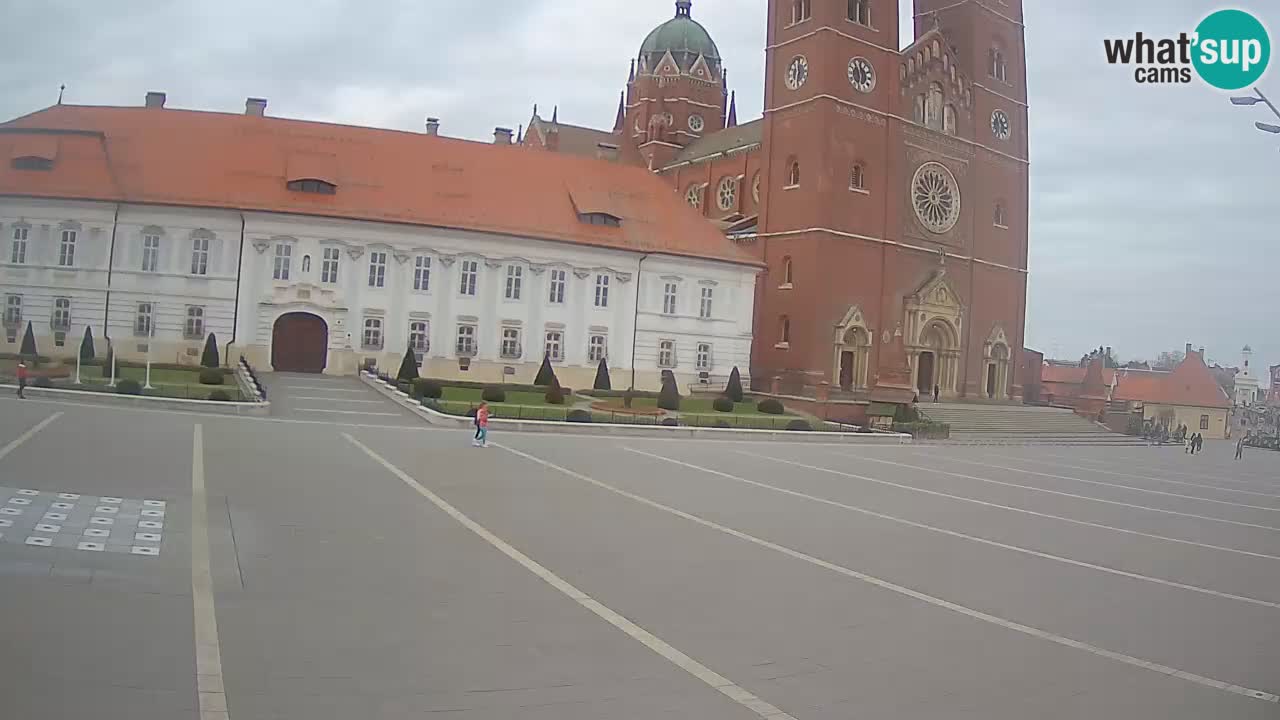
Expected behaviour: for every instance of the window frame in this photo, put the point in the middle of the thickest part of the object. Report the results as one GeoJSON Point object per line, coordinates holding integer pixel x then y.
{"type": "Point", "coordinates": [793, 175]}
{"type": "Point", "coordinates": [67, 248]}
{"type": "Point", "coordinates": [858, 177]}
{"type": "Point", "coordinates": [784, 331]}
{"type": "Point", "coordinates": [197, 317]}
{"type": "Point", "coordinates": [667, 348]}
{"type": "Point", "coordinates": [424, 335]}
{"type": "Point", "coordinates": [801, 11]}
{"type": "Point", "coordinates": [200, 255]}
{"type": "Point", "coordinates": [596, 354]}
{"type": "Point", "coordinates": [150, 252]}
{"type": "Point", "coordinates": [373, 329]}
{"type": "Point", "coordinates": [857, 8]}
{"type": "Point", "coordinates": [557, 280]}
{"type": "Point", "coordinates": [602, 290]}
{"type": "Point", "coordinates": [60, 316]}
{"type": "Point", "coordinates": [514, 285]}
{"type": "Point", "coordinates": [18, 248]}
{"type": "Point", "coordinates": [670, 298]}
{"type": "Point", "coordinates": [788, 272]}
{"type": "Point", "coordinates": [469, 336]}
{"type": "Point", "coordinates": [558, 343]}
{"type": "Point", "coordinates": [510, 343]}
{"type": "Point", "coordinates": [13, 310]}
{"type": "Point", "coordinates": [1000, 216]}
{"type": "Point", "coordinates": [378, 269]}
{"type": "Point", "coordinates": [144, 315]}
{"type": "Point", "coordinates": [1204, 422]}
{"type": "Point", "coordinates": [282, 263]}
{"type": "Point", "coordinates": [706, 302]}
{"type": "Point", "coordinates": [703, 358]}
{"type": "Point", "coordinates": [468, 270]}
{"type": "Point", "coordinates": [329, 265]}
{"type": "Point", "coordinates": [422, 273]}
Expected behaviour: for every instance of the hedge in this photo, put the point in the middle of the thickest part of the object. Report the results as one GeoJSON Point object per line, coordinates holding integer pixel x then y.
{"type": "Point", "coordinates": [799, 425]}
{"type": "Point", "coordinates": [578, 416]}
{"type": "Point", "coordinates": [617, 393]}
{"type": "Point", "coordinates": [770, 406]}
{"type": "Point", "coordinates": [493, 395]}
{"type": "Point", "coordinates": [129, 386]}
{"type": "Point", "coordinates": [924, 429]}
{"type": "Point", "coordinates": [722, 404]}
{"type": "Point", "coordinates": [211, 376]}
{"type": "Point", "coordinates": [220, 395]}
{"type": "Point", "coordinates": [670, 422]}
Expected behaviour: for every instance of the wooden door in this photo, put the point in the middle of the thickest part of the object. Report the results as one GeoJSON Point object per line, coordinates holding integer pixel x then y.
{"type": "Point", "coordinates": [299, 343]}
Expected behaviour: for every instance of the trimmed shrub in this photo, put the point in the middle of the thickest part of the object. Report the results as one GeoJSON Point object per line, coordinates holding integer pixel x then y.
{"type": "Point", "coordinates": [211, 376]}
{"type": "Point", "coordinates": [129, 386]}
{"type": "Point", "coordinates": [86, 345]}
{"type": "Point", "coordinates": [220, 395]}
{"type": "Point", "coordinates": [617, 393]}
{"type": "Point", "coordinates": [906, 414]}
{"type": "Point", "coordinates": [669, 396]}
{"type": "Point", "coordinates": [209, 358]}
{"type": "Point", "coordinates": [602, 376]}
{"type": "Point", "coordinates": [723, 424]}
{"type": "Point", "coordinates": [770, 406]}
{"type": "Point", "coordinates": [408, 366]}
{"type": "Point", "coordinates": [799, 425]}
{"type": "Point", "coordinates": [427, 388]}
{"type": "Point", "coordinates": [555, 394]}
{"type": "Point", "coordinates": [493, 394]}
{"type": "Point", "coordinates": [670, 422]}
{"type": "Point", "coordinates": [546, 374]}
{"type": "Point", "coordinates": [578, 416]}
{"type": "Point", "coordinates": [722, 404]}
{"type": "Point", "coordinates": [43, 382]}
{"type": "Point", "coordinates": [733, 390]}
{"type": "Point", "coordinates": [403, 386]}
{"type": "Point", "coordinates": [28, 343]}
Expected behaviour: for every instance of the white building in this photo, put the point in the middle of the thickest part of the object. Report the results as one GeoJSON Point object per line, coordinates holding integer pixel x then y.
{"type": "Point", "coordinates": [315, 247]}
{"type": "Point", "coordinates": [1247, 385]}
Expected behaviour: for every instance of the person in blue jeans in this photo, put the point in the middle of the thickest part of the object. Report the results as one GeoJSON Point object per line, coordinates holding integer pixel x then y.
{"type": "Point", "coordinates": [482, 426]}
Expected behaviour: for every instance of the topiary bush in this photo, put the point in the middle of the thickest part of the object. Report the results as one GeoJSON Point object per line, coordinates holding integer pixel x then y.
{"type": "Point", "coordinates": [733, 390]}
{"type": "Point", "coordinates": [129, 386]}
{"type": "Point", "coordinates": [578, 416]}
{"type": "Point", "coordinates": [408, 366]}
{"type": "Point", "coordinates": [220, 396]}
{"type": "Point", "coordinates": [602, 376]}
{"type": "Point", "coordinates": [493, 394]}
{"type": "Point", "coordinates": [555, 394]}
{"type": "Point", "coordinates": [546, 374]}
{"type": "Point", "coordinates": [722, 404]}
{"type": "Point", "coordinates": [209, 358]}
{"type": "Point", "coordinates": [770, 406]}
{"type": "Point", "coordinates": [427, 388]}
{"type": "Point", "coordinates": [799, 425]}
{"type": "Point", "coordinates": [211, 376]}
{"type": "Point", "coordinates": [43, 382]}
{"type": "Point", "coordinates": [669, 396]}
{"type": "Point", "coordinates": [670, 422]}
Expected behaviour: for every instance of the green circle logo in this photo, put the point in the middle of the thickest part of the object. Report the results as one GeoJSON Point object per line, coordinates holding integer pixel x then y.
{"type": "Point", "coordinates": [1232, 49]}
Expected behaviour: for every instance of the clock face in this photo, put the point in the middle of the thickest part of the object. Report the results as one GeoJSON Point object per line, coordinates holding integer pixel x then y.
{"type": "Point", "coordinates": [695, 123]}
{"type": "Point", "coordinates": [862, 76]}
{"type": "Point", "coordinates": [1000, 125]}
{"type": "Point", "coordinates": [797, 72]}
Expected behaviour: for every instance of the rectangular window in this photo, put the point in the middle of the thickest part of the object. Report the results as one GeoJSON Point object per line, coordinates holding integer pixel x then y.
{"type": "Point", "coordinates": [667, 353]}
{"type": "Point", "coordinates": [669, 299]}
{"type": "Point", "coordinates": [510, 342]}
{"type": "Point", "coordinates": [419, 338]}
{"type": "Point", "coordinates": [199, 256]}
{"type": "Point", "coordinates": [150, 252]}
{"type": "Point", "coordinates": [329, 268]}
{"type": "Point", "coordinates": [557, 286]}
{"type": "Point", "coordinates": [372, 333]}
{"type": "Point", "coordinates": [799, 11]}
{"type": "Point", "coordinates": [195, 322]}
{"type": "Point", "coordinates": [61, 320]}
{"type": "Point", "coordinates": [466, 345]}
{"type": "Point", "coordinates": [555, 345]}
{"type": "Point", "coordinates": [422, 273]}
{"type": "Point", "coordinates": [12, 310]}
{"type": "Point", "coordinates": [467, 281]}
{"type": "Point", "coordinates": [377, 269]}
{"type": "Point", "coordinates": [283, 255]}
{"type": "Point", "coordinates": [602, 291]}
{"type": "Point", "coordinates": [1204, 422]}
{"type": "Point", "coordinates": [596, 348]}
{"type": "Point", "coordinates": [860, 11]}
{"type": "Point", "coordinates": [67, 250]}
{"type": "Point", "coordinates": [704, 308]}
{"type": "Point", "coordinates": [142, 322]}
{"type": "Point", "coordinates": [515, 277]}
{"type": "Point", "coordinates": [18, 256]}
{"type": "Point", "coordinates": [704, 357]}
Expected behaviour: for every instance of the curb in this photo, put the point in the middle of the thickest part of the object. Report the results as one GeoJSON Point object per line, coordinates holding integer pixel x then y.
{"type": "Point", "coordinates": [213, 407]}
{"type": "Point", "coordinates": [660, 431]}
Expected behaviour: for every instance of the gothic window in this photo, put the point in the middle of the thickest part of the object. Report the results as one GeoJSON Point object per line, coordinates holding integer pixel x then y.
{"type": "Point", "coordinates": [949, 119]}
{"type": "Point", "coordinates": [727, 193]}
{"type": "Point", "coordinates": [858, 177]}
{"type": "Point", "coordinates": [918, 110]}
{"type": "Point", "coordinates": [860, 12]}
{"type": "Point", "coordinates": [935, 197]}
{"type": "Point", "coordinates": [997, 69]}
{"type": "Point", "coordinates": [787, 271]}
{"type": "Point", "coordinates": [799, 11]}
{"type": "Point", "coordinates": [999, 216]}
{"type": "Point", "coordinates": [793, 173]}
{"type": "Point", "coordinates": [693, 196]}
{"type": "Point", "coordinates": [784, 330]}
{"type": "Point", "coordinates": [933, 107]}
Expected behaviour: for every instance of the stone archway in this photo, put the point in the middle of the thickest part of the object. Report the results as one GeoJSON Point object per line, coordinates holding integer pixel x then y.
{"type": "Point", "coordinates": [995, 368]}
{"type": "Point", "coordinates": [932, 320]}
{"type": "Point", "coordinates": [299, 343]}
{"type": "Point", "coordinates": [852, 351]}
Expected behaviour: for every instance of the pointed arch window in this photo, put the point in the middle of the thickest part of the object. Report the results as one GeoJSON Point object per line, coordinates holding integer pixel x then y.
{"type": "Point", "coordinates": [949, 119]}
{"type": "Point", "coordinates": [933, 107]}
{"type": "Point", "coordinates": [787, 272]}
{"type": "Point", "coordinates": [793, 173]}
{"type": "Point", "coordinates": [918, 109]}
{"type": "Point", "coordinates": [858, 177]}
{"type": "Point", "coordinates": [998, 69]}
{"type": "Point", "coordinates": [1000, 216]}
{"type": "Point", "coordinates": [784, 331]}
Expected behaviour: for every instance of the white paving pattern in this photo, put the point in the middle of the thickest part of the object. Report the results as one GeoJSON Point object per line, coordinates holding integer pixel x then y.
{"type": "Point", "coordinates": [82, 522]}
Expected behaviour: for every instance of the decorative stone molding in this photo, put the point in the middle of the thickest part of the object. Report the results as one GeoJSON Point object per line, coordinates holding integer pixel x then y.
{"type": "Point", "coordinates": [355, 253]}
{"type": "Point", "coordinates": [261, 246]}
{"type": "Point", "coordinates": [581, 273]}
{"type": "Point", "coordinates": [401, 257]}
{"type": "Point", "coordinates": [492, 264]}
{"type": "Point", "coordinates": [537, 268]}
{"type": "Point", "coordinates": [447, 260]}
{"type": "Point", "coordinates": [623, 277]}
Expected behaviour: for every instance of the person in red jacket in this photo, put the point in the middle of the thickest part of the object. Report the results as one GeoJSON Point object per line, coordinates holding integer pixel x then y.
{"type": "Point", "coordinates": [482, 426]}
{"type": "Point", "coordinates": [22, 378]}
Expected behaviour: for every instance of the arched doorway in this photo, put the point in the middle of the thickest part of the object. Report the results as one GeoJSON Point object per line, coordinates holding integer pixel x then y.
{"type": "Point", "coordinates": [936, 359]}
{"type": "Point", "coordinates": [924, 376]}
{"type": "Point", "coordinates": [299, 343]}
{"type": "Point", "coordinates": [855, 355]}
{"type": "Point", "coordinates": [997, 375]}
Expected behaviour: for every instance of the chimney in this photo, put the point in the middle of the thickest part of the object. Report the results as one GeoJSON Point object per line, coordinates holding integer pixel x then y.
{"type": "Point", "coordinates": [155, 99]}
{"type": "Point", "coordinates": [501, 136]}
{"type": "Point", "coordinates": [607, 151]}
{"type": "Point", "coordinates": [1188, 352]}
{"type": "Point", "coordinates": [433, 126]}
{"type": "Point", "coordinates": [255, 106]}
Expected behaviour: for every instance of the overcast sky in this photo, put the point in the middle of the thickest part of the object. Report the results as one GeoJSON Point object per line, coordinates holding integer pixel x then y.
{"type": "Point", "coordinates": [1152, 207]}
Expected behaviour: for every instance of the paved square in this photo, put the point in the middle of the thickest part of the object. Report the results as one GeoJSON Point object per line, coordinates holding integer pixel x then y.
{"type": "Point", "coordinates": [397, 572]}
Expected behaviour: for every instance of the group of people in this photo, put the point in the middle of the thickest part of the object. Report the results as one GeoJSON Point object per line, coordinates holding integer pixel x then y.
{"type": "Point", "coordinates": [1195, 442]}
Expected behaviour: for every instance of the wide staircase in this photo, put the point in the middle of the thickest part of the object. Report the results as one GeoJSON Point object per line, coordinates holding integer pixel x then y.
{"type": "Point", "coordinates": [1021, 424]}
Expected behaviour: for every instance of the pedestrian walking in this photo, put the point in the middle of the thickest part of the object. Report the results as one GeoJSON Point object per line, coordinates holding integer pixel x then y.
{"type": "Point", "coordinates": [482, 426]}
{"type": "Point", "coordinates": [1189, 442]}
{"type": "Point", "coordinates": [22, 378]}
{"type": "Point", "coordinates": [1240, 448]}
{"type": "Point", "coordinates": [936, 392]}
{"type": "Point", "coordinates": [1197, 443]}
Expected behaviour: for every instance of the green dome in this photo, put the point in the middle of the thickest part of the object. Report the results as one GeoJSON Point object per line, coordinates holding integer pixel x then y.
{"type": "Point", "coordinates": [684, 38]}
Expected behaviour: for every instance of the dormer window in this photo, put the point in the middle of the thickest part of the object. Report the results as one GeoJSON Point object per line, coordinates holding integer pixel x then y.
{"type": "Point", "coordinates": [319, 187]}
{"type": "Point", "coordinates": [599, 218]}
{"type": "Point", "coordinates": [31, 162]}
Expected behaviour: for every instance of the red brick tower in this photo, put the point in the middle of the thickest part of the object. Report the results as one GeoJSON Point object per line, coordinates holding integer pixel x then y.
{"type": "Point", "coordinates": [676, 91]}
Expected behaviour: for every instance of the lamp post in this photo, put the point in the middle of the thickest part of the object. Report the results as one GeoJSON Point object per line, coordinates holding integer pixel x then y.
{"type": "Point", "coordinates": [1251, 100]}
{"type": "Point", "coordinates": [151, 334]}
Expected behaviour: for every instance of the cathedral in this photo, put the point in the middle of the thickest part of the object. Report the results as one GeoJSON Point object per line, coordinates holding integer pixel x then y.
{"type": "Point", "coordinates": [884, 190]}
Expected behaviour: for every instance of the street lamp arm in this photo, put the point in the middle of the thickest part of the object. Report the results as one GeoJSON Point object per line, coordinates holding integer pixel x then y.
{"type": "Point", "coordinates": [1264, 99]}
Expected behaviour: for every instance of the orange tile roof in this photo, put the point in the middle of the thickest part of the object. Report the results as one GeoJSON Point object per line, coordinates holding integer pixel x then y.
{"type": "Point", "coordinates": [223, 160]}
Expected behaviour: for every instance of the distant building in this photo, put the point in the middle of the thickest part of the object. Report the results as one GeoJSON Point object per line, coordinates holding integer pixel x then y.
{"type": "Point", "coordinates": [1246, 382]}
